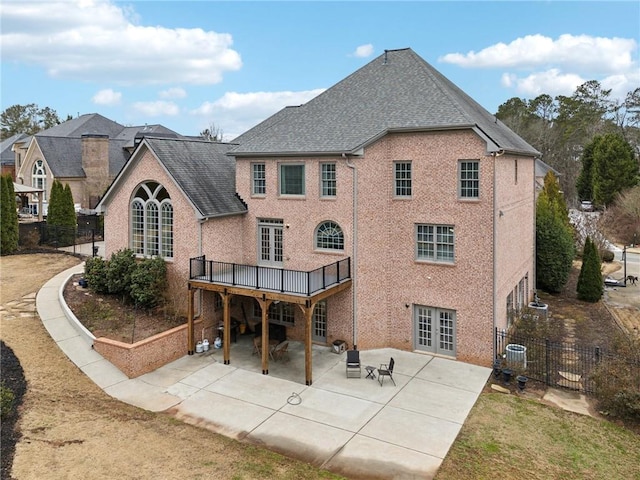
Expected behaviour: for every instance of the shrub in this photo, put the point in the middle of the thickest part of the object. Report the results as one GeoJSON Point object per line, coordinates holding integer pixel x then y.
{"type": "Point", "coordinates": [617, 379]}
{"type": "Point", "coordinates": [9, 216]}
{"type": "Point", "coordinates": [121, 266]}
{"type": "Point", "coordinates": [95, 273]}
{"type": "Point", "coordinates": [148, 281]}
{"type": "Point", "coordinates": [607, 256]}
{"type": "Point", "coordinates": [590, 286]}
{"type": "Point", "coordinates": [6, 400]}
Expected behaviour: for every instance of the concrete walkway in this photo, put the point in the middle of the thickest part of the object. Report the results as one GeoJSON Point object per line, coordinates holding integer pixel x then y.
{"type": "Point", "coordinates": [353, 427]}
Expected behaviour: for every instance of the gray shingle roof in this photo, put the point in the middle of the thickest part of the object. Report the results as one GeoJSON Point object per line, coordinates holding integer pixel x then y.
{"type": "Point", "coordinates": [7, 157]}
{"type": "Point", "coordinates": [204, 172]}
{"type": "Point", "coordinates": [64, 155]}
{"type": "Point", "coordinates": [396, 91]}
{"type": "Point", "coordinates": [88, 123]}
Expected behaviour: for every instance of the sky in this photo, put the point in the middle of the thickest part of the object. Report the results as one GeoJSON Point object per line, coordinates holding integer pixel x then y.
{"type": "Point", "coordinates": [191, 65]}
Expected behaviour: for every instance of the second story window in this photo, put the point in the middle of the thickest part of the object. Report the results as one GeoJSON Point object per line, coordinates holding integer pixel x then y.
{"type": "Point", "coordinates": [435, 243]}
{"type": "Point", "coordinates": [258, 179]}
{"type": "Point", "coordinates": [327, 179]}
{"type": "Point", "coordinates": [151, 221]}
{"type": "Point", "coordinates": [329, 236]}
{"type": "Point", "coordinates": [469, 179]}
{"type": "Point", "coordinates": [402, 179]}
{"type": "Point", "coordinates": [292, 179]}
{"type": "Point", "coordinates": [39, 178]}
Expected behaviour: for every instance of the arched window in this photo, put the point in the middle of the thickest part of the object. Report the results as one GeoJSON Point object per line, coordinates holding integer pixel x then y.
{"type": "Point", "coordinates": [152, 221]}
{"type": "Point", "coordinates": [329, 236]}
{"type": "Point", "coordinates": [39, 177]}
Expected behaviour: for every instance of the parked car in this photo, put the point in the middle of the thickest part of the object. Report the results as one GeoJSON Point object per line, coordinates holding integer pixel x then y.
{"type": "Point", "coordinates": [586, 206]}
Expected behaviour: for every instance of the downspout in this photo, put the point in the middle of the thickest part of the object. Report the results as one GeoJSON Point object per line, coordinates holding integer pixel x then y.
{"type": "Point", "coordinates": [495, 155]}
{"type": "Point", "coordinates": [354, 248]}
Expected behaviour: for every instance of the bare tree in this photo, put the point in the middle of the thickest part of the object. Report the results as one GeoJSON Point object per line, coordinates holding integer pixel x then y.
{"type": "Point", "coordinates": [212, 134]}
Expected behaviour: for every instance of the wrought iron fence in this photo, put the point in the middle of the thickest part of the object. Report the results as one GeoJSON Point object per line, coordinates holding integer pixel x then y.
{"type": "Point", "coordinates": [559, 364]}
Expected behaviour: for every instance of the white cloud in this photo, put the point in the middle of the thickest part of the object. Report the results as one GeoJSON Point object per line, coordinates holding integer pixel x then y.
{"type": "Point", "coordinates": [580, 52]}
{"type": "Point", "coordinates": [363, 51]}
{"type": "Point", "coordinates": [551, 82]}
{"type": "Point", "coordinates": [157, 108]}
{"type": "Point", "coordinates": [107, 97]}
{"type": "Point", "coordinates": [98, 40]}
{"type": "Point", "coordinates": [236, 112]}
{"type": "Point", "coordinates": [558, 66]}
{"type": "Point", "coordinates": [175, 92]}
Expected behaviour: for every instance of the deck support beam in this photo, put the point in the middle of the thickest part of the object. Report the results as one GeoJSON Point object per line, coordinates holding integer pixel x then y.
{"type": "Point", "coordinates": [190, 333]}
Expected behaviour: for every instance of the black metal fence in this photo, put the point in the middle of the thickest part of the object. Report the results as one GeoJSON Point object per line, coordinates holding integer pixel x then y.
{"type": "Point", "coordinates": [34, 234]}
{"type": "Point", "coordinates": [558, 364]}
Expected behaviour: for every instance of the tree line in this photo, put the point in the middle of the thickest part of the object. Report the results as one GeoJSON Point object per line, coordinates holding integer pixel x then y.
{"type": "Point", "coordinates": [587, 129]}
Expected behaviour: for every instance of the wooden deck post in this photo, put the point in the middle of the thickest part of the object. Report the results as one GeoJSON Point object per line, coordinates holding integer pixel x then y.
{"type": "Point", "coordinates": [190, 333]}
{"type": "Point", "coordinates": [226, 315]}
{"type": "Point", "coordinates": [264, 305]}
{"type": "Point", "coordinates": [308, 342]}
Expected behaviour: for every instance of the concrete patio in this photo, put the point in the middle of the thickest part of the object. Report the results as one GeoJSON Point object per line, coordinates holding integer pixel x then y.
{"type": "Point", "coordinates": [351, 426]}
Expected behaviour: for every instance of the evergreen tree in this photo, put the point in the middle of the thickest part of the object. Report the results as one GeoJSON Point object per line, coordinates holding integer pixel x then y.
{"type": "Point", "coordinates": [9, 216]}
{"type": "Point", "coordinates": [615, 168]}
{"type": "Point", "coordinates": [55, 200]}
{"type": "Point", "coordinates": [584, 185]}
{"type": "Point", "coordinates": [61, 217]}
{"type": "Point", "coordinates": [554, 238]}
{"type": "Point", "coordinates": [590, 286]}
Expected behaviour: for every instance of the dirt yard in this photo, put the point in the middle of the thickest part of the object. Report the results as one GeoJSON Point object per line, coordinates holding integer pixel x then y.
{"type": "Point", "coordinates": [108, 316]}
{"type": "Point", "coordinates": [71, 429]}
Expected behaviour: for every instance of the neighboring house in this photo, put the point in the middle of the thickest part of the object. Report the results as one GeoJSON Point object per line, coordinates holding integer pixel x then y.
{"type": "Point", "coordinates": [541, 171]}
{"type": "Point", "coordinates": [86, 152]}
{"type": "Point", "coordinates": [7, 156]}
{"type": "Point", "coordinates": [392, 210]}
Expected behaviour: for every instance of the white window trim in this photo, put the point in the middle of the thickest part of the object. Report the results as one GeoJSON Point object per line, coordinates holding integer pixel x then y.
{"type": "Point", "coordinates": [435, 259]}
{"type": "Point", "coordinates": [304, 180]}
{"type": "Point", "coordinates": [315, 237]}
{"type": "Point", "coordinates": [334, 180]}
{"type": "Point", "coordinates": [253, 179]}
{"type": "Point", "coordinates": [396, 179]}
{"type": "Point", "coordinates": [151, 200]}
{"type": "Point", "coordinates": [459, 182]}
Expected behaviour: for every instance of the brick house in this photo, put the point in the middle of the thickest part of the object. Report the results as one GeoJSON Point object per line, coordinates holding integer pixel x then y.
{"type": "Point", "coordinates": [86, 152]}
{"type": "Point", "coordinates": [392, 210]}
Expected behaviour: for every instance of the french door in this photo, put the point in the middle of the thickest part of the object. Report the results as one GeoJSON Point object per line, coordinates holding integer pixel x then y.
{"type": "Point", "coordinates": [270, 252]}
{"type": "Point", "coordinates": [319, 324]}
{"type": "Point", "coordinates": [435, 330]}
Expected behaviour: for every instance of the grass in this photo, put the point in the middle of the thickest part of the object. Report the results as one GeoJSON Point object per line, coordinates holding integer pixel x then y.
{"type": "Point", "coordinates": [506, 436]}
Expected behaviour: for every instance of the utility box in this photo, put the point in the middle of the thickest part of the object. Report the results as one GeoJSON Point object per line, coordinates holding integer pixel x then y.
{"type": "Point", "coordinates": [339, 346]}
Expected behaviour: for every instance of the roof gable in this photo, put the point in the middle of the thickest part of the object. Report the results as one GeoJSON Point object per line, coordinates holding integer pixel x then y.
{"type": "Point", "coordinates": [396, 91]}
{"type": "Point", "coordinates": [201, 169]}
{"type": "Point", "coordinates": [64, 155]}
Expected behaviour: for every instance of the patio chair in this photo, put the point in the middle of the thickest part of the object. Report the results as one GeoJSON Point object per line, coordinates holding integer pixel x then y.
{"type": "Point", "coordinates": [386, 370]}
{"type": "Point", "coordinates": [281, 351]}
{"type": "Point", "coordinates": [354, 369]}
{"type": "Point", "coordinates": [257, 346]}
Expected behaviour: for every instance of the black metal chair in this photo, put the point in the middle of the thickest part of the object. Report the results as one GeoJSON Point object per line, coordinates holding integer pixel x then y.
{"type": "Point", "coordinates": [386, 370]}
{"type": "Point", "coordinates": [354, 369]}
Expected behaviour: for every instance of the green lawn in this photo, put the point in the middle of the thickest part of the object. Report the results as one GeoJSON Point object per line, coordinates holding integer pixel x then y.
{"type": "Point", "coordinates": [506, 437]}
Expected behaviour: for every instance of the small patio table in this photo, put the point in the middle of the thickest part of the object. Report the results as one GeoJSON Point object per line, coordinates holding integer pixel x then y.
{"type": "Point", "coordinates": [370, 372]}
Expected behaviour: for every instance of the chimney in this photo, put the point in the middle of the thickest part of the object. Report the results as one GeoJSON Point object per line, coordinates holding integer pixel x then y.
{"type": "Point", "coordinates": [95, 163]}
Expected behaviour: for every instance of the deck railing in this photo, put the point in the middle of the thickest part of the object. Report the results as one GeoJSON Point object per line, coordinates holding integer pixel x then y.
{"type": "Point", "coordinates": [268, 278]}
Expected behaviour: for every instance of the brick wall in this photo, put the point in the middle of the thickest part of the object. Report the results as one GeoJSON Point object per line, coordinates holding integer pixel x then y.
{"type": "Point", "coordinates": [147, 355]}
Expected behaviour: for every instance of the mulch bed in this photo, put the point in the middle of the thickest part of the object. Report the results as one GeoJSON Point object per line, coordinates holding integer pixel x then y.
{"type": "Point", "coordinates": [13, 379]}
